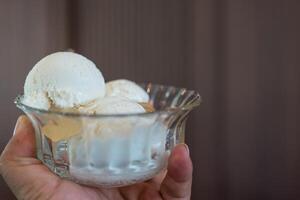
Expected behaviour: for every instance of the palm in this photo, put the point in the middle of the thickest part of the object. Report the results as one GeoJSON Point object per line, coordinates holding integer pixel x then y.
{"type": "Point", "coordinates": [30, 179]}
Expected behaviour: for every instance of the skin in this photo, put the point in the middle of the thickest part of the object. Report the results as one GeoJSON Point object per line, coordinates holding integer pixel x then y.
{"type": "Point", "coordinates": [29, 179]}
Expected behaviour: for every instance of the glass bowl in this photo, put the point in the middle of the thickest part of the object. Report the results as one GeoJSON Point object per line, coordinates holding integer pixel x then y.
{"type": "Point", "coordinates": [112, 150]}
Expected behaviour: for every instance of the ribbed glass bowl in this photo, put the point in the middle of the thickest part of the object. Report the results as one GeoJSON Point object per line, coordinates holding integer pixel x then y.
{"type": "Point", "coordinates": [112, 150]}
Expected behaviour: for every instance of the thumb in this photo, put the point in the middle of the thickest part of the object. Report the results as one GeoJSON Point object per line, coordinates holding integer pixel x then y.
{"type": "Point", "coordinates": [22, 144]}
{"type": "Point", "coordinates": [178, 181]}
{"type": "Point", "coordinates": [18, 165]}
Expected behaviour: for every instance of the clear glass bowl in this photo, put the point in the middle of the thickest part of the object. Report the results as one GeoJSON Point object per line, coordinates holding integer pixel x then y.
{"type": "Point", "coordinates": [112, 150]}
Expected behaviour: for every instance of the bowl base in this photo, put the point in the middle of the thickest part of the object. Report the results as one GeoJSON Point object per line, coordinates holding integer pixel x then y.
{"type": "Point", "coordinates": [107, 177]}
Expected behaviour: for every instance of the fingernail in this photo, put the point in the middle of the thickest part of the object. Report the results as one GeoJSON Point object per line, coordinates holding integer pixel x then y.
{"type": "Point", "coordinates": [19, 124]}
{"type": "Point", "coordinates": [187, 149]}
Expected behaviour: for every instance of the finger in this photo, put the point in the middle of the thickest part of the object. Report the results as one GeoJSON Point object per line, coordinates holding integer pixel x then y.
{"type": "Point", "coordinates": [22, 144]}
{"type": "Point", "coordinates": [22, 172]}
{"type": "Point", "coordinates": [178, 181]}
{"type": "Point", "coordinates": [158, 179]}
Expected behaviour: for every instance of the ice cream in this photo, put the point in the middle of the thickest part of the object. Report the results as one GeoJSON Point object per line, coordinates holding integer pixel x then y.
{"type": "Point", "coordinates": [63, 80]}
{"type": "Point", "coordinates": [69, 82]}
{"type": "Point", "coordinates": [112, 105]}
{"type": "Point", "coordinates": [113, 148]}
{"type": "Point", "coordinates": [127, 89]}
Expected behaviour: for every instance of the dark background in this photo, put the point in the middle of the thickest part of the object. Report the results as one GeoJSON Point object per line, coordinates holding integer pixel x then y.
{"type": "Point", "coordinates": [241, 55]}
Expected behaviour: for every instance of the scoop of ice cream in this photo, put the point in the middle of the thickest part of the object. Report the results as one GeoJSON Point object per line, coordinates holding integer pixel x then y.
{"type": "Point", "coordinates": [112, 105]}
{"type": "Point", "coordinates": [127, 89]}
{"type": "Point", "coordinates": [63, 80]}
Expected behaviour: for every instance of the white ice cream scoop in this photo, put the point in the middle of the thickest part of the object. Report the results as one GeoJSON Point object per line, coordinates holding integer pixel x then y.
{"type": "Point", "coordinates": [112, 105]}
{"type": "Point", "coordinates": [63, 80]}
{"type": "Point", "coordinates": [127, 89]}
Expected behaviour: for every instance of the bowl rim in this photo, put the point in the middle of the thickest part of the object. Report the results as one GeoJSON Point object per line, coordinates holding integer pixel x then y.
{"type": "Point", "coordinates": [196, 101]}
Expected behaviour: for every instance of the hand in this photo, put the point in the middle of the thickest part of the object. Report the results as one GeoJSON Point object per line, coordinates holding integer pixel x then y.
{"type": "Point", "coordinates": [29, 179]}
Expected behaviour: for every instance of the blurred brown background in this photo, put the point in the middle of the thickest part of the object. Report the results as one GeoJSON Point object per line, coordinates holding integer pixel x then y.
{"type": "Point", "coordinates": [241, 55]}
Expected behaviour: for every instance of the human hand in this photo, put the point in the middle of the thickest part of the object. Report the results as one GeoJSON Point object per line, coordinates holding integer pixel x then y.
{"type": "Point", "coordinates": [29, 179]}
